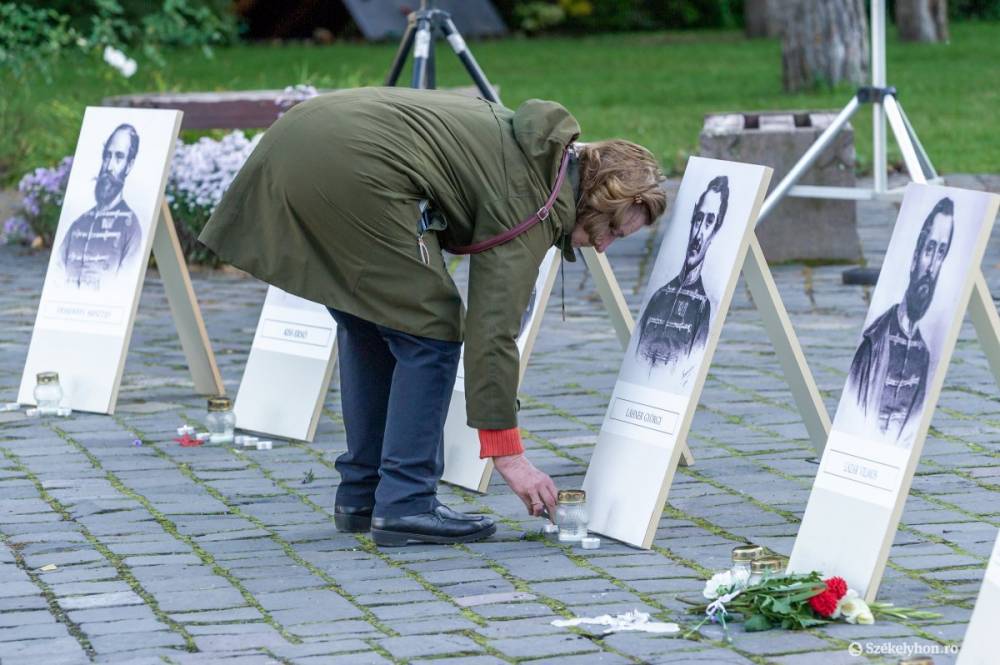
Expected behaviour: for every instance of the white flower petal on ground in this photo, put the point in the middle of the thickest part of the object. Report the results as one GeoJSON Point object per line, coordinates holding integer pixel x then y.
{"type": "Point", "coordinates": [629, 621]}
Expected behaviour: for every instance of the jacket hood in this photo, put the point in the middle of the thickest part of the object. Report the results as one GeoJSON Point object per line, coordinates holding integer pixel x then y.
{"type": "Point", "coordinates": [543, 130]}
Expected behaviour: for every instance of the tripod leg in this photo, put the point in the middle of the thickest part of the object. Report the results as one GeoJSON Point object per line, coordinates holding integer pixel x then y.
{"type": "Point", "coordinates": [808, 158]}
{"type": "Point", "coordinates": [903, 140]}
{"type": "Point", "coordinates": [880, 160]}
{"type": "Point", "coordinates": [431, 63]}
{"type": "Point", "coordinates": [880, 172]}
{"type": "Point", "coordinates": [465, 55]}
{"type": "Point", "coordinates": [421, 53]}
{"type": "Point", "coordinates": [404, 49]}
{"type": "Point", "coordinates": [921, 153]}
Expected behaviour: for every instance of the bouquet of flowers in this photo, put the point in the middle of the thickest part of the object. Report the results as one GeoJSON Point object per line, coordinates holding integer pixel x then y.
{"type": "Point", "coordinates": [790, 601]}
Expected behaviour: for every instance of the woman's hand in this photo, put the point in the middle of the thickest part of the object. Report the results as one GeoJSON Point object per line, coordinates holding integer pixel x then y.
{"type": "Point", "coordinates": [534, 487]}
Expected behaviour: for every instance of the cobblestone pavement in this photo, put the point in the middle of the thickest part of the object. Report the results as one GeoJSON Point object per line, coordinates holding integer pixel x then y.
{"type": "Point", "coordinates": [192, 555]}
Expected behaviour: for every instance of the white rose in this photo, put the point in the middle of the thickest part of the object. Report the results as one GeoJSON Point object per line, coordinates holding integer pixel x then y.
{"type": "Point", "coordinates": [720, 582]}
{"type": "Point", "coordinates": [846, 599]}
{"type": "Point", "coordinates": [854, 609]}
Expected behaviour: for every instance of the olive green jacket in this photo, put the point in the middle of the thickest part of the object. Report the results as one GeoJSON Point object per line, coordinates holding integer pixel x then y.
{"type": "Point", "coordinates": [326, 208]}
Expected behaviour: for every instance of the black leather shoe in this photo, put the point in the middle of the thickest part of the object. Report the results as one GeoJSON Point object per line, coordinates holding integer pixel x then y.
{"type": "Point", "coordinates": [351, 519]}
{"type": "Point", "coordinates": [440, 525]}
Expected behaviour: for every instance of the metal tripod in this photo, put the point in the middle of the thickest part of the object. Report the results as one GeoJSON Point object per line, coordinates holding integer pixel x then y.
{"type": "Point", "coordinates": [885, 106]}
{"type": "Point", "coordinates": [421, 27]}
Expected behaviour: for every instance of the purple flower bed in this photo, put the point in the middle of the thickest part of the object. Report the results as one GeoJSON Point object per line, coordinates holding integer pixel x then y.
{"type": "Point", "coordinates": [200, 174]}
{"type": "Point", "coordinates": [42, 190]}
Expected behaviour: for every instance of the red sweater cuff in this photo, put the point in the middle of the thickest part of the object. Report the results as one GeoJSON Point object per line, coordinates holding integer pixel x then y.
{"type": "Point", "coordinates": [499, 442]}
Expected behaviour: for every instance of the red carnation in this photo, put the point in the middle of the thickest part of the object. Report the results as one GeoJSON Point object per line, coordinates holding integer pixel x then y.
{"type": "Point", "coordinates": [837, 586]}
{"type": "Point", "coordinates": [824, 603]}
{"type": "Point", "coordinates": [188, 441]}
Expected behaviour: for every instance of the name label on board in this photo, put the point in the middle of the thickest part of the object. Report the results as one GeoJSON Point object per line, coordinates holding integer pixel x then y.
{"type": "Point", "coordinates": [866, 469]}
{"type": "Point", "coordinates": [75, 311]}
{"type": "Point", "coordinates": [296, 333]}
{"type": "Point", "coordinates": [643, 415]}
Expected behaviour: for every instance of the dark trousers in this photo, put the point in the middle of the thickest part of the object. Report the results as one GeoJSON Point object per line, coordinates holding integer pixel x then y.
{"type": "Point", "coordinates": [395, 391]}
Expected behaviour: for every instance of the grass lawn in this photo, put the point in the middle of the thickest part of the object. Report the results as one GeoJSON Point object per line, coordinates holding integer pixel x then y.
{"type": "Point", "coordinates": [653, 88]}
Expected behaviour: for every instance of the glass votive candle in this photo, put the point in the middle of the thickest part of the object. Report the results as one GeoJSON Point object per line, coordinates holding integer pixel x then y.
{"type": "Point", "coordinates": [571, 515]}
{"type": "Point", "coordinates": [48, 393]}
{"type": "Point", "coordinates": [221, 420]}
{"type": "Point", "coordinates": [762, 569]}
{"type": "Point", "coordinates": [743, 556]}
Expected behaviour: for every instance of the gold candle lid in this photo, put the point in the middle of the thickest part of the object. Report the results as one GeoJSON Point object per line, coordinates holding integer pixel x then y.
{"type": "Point", "coordinates": [770, 565]}
{"type": "Point", "coordinates": [220, 404]}
{"type": "Point", "coordinates": [917, 660]}
{"type": "Point", "coordinates": [748, 552]}
{"type": "Point", "coordinates": [48, 377]}
{"type": "Point", "coordinates": [571, 496]}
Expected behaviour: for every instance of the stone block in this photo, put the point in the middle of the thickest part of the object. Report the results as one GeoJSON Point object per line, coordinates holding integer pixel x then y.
{"type": "Point", "coordinates": [798, 228]}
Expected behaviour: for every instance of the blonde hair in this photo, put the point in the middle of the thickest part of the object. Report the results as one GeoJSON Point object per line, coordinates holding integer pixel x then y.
{"type": "Point", "coordinates": [615, 176]}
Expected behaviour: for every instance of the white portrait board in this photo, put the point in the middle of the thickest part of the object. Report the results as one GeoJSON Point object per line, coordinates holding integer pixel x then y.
{"type": "Point", "coordinates": [110, 214]}
{"type": "Point", "coordinates": [979, 647]}
{"type": "Point", "coordinates": [666, 362]}
{"type": "Point", "coordinates": [288, 372]}
{"type": "Point", "coordinates": [462, 465]}
{"type": "Point", "coordinates": [893, 384]}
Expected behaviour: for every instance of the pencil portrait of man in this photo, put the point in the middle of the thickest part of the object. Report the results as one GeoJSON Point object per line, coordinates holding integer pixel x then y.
{"type": "Point", "coordinates": [103, 239]}
{"type": "Point", "coordinates": [888, 377]}
{"type": "Point", "coordinates": [676, 320]}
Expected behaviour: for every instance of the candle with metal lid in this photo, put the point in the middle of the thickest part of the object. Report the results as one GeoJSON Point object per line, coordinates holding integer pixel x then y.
{"type": "Point", "coordinates": [571, 515]}
{"type": "Point", "coordinates": [221, 420]}
{"type": "Point", "coordinates": [48, 393]}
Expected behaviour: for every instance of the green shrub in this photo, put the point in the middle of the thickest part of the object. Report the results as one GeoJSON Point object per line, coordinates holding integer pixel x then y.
{"type": "Point", "coordinates": [620, 15]}
{"type": "Point", "coordinates": [984, 10]}
{"type": "Point", "coordinates": [40, 39]}
{"type": "Point", "coordinates": [535, 17]}
{"type": "Point", "coordinates": [158, 23]}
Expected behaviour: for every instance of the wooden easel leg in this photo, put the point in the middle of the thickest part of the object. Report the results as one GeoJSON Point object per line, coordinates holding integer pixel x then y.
{"type": "Point", "coordinates": [611, 294]}
{"type": "Point", "coordinates": [786, 345]}
{"type": "Point", "coordinates": [987, 322]}
{"type": "Point", "coordinates": [184, 307]}
{"type": "Point", "coordinates": [617, 308]}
